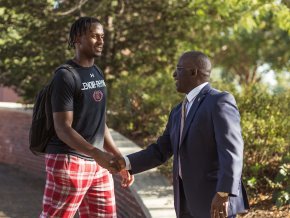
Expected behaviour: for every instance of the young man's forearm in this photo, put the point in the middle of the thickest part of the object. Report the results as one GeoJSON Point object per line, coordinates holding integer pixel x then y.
{"type": "Point", "coordinates": [70, 137]}
{"type": "Point", "coordinates": [109, 144]}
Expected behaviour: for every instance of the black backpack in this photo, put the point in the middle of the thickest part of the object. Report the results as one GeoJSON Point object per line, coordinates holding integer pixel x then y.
{"type": "Point", "coordinates": [42, 128]}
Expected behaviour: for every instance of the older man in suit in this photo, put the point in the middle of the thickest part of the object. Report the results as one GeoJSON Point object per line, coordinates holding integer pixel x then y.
{"type": "Point", "coordinates": [204, 135]}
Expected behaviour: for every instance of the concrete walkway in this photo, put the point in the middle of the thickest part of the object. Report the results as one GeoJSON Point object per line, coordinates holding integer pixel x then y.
{"type": "Point", "coordinates": [154, 189]}
{"type": "Point", "coordinates": [21, 193]}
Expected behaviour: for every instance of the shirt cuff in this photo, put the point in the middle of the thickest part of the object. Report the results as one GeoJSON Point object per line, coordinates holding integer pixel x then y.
{"type": "Point", "coordinates": [223, 194]}
{"type": "Point", "coordinates": [128, 164]}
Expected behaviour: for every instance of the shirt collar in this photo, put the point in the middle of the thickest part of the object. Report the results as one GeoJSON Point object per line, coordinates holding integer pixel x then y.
{"type": "Point", "coordinates": [194, 92]}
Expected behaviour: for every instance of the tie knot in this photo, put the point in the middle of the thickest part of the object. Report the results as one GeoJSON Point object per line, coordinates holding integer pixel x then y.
{"type": "Point", "coordinates": [185, 101]}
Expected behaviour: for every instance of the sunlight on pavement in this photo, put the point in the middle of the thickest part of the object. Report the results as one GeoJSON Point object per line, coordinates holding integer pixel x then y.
{"type": "Point", "coordinates": [3, 215]}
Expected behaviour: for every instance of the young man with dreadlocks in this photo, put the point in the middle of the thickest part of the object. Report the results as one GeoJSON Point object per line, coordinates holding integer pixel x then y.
{"type": "Point", "coordinates": [76, 165]}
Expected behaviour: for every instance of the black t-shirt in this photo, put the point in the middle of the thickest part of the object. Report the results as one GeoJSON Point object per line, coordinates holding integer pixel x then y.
{"type": "Point", "coordinates": [87, 104]}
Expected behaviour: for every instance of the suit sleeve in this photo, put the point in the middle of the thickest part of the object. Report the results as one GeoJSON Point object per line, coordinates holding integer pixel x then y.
{"type": "Point", "coordinates": [154, 155]}
{"type": "Point", "coordinates": [226, 119]}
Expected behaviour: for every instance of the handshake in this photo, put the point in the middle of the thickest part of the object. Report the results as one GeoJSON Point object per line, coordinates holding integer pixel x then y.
{"type": "Point", "coordinates": [114, 164]}
{"type": "Point", "coordinates": [117, 164]}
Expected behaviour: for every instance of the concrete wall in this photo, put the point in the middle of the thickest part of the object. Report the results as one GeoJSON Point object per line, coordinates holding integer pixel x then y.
{"type": "Point", "coordinates": [14, 150]}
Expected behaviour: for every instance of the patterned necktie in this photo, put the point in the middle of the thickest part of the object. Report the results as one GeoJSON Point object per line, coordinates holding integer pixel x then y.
{"type": "Point", "coordinates": [183, 116]}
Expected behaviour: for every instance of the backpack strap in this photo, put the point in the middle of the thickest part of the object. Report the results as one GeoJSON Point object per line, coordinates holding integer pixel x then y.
{"type": "Point", "coordinates": [99, 70]}
{"type": "Point", "coordinates": [75, 75]}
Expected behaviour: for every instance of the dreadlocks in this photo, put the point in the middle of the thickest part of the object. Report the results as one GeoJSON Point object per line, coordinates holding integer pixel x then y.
{"type": "Point", "coordinates": [79, 27]}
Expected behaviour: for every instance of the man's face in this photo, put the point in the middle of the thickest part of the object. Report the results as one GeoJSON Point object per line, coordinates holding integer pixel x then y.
{"type": "Point", "coordinates": [184, 75]}
{"type": "Point", "coordinates": [91, 43]}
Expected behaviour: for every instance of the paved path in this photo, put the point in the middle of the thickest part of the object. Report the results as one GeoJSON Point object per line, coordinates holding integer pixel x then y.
{"type": "Point", "coordinates": [153, 189]}
{"type": "Point", "coordinates": [20, 193]}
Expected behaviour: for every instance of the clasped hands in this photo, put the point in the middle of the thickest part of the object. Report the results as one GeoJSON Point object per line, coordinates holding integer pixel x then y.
{"type": "Point", "coordinates": [117, 164]}
{"type": "Point", "coordinates": [114, 164]}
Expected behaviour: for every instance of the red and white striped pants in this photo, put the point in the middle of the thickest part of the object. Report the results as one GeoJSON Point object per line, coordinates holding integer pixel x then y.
{"type": "Point", "coordinates": [73, 184]}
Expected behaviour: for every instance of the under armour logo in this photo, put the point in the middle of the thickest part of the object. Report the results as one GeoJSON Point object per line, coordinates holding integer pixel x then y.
{"type": "Point", "coordinates": [92, 75]}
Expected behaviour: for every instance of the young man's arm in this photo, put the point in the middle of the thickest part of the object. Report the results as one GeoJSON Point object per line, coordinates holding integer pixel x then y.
{"type": "Point", "coordinates": [110, 146]}
{"type": "Point", "coordinates": [65, 132]}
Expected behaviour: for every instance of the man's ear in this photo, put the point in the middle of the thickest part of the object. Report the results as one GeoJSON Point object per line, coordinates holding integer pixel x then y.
{"type": "Point", "coordinates": [194, 72]}
{"type": "Point", "coordinates": [77, 40]}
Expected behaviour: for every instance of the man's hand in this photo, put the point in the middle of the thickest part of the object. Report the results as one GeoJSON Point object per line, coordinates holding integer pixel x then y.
{"type": "Point", "coordinates": [104, 159]}
{"type": "Point", "coordinates": [127, 178]}
{"type": "Point", "coordinates": [219, 206]}
{"type": "Point", "coordinates": [118, 163]}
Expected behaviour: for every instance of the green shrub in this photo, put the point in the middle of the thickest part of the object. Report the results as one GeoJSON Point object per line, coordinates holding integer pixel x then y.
{"type": "Point", "coordinates": [265, 125]}
{"type": "Point", "coordinates": [265, 132]}
{"type": "Point", "coordinates": [281, 184]}
{"type": "Point", "coordinates": [139, 106]}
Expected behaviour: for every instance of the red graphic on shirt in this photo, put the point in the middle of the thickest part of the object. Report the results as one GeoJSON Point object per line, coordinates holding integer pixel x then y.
{"type": "Point", "coordinates": [98, 95]}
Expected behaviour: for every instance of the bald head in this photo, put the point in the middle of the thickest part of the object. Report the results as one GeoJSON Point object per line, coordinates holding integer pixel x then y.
{"type": "Point", "coordinates": [193, 68]}
{"type": "Point", "coordinates": [199, 61]}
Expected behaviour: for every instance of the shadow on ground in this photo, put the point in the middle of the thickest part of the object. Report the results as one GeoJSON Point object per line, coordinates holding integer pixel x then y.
{"type": "Point", "coordinates": [21, 193]}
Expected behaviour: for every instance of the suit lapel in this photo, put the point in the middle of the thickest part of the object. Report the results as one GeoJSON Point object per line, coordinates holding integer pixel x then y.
{"type": "Point", "coordinates": [195, 105]}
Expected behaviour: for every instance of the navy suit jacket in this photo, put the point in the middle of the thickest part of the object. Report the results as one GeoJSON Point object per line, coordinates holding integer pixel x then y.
{"type": "Point", "coordinates": [211, 153]}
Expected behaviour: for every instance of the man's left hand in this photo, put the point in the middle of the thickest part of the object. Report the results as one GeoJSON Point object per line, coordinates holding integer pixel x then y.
{"type": "Point", "coordinates": [219, 206]}
{"type": "Point", "coordinates": [117, 164]}
{"type": "Point", "coordinates": [127, 178]}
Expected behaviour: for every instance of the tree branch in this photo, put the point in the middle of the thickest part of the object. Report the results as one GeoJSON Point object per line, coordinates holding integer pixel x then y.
{"type": "Point", "coordinates": [72, 10]}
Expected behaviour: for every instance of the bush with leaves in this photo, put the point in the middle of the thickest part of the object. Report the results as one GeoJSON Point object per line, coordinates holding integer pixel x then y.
{"type": "Point", "coordinates": [139, 106]}
{"type": "Point", "coordinates": [265, 122]}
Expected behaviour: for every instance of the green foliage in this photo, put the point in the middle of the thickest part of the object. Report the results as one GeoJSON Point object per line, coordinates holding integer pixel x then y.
{"type": "Point", "coordinates": [143, 37]}
{"type": "Point", "coordinates": [282, 182]}
{"type": "Point", "coordinates": [35, 42]}
{"type": "Point", "coordinates": [265, 125]}
{"type": "Point", "coordinates": [140, 104]}
{"type": "Point", "coordinates": [244, 35]}
{"type": "Point", "coordinates": [30, 36]}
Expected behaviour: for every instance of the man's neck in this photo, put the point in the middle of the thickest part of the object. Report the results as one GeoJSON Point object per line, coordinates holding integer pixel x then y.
{"type": "Point", "coordinates": [194, 92]}
{"type": "Point", "coordinates": [84, 62]}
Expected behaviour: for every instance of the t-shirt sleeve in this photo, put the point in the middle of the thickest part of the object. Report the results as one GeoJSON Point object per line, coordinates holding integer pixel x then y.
{"type": "Point", "coordinates": [62, 93]}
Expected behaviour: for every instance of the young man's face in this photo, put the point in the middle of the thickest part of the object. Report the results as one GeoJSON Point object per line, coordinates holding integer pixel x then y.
{"type": "Point", "coordinates": [91, 43]}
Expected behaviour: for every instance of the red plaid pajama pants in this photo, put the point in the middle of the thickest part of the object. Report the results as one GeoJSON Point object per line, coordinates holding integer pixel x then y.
{"type": "Point", "coordinates": [73, 184]}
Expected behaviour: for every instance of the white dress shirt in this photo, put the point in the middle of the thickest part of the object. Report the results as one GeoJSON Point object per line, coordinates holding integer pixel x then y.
{"type": "Point", "coordinates": [190, 97]}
